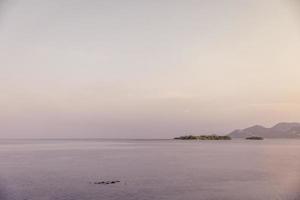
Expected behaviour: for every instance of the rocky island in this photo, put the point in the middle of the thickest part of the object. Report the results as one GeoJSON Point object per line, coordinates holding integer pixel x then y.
{"type": "Point", "coordinates": [203, 137]}
{"type": "Point", "coordinates": [280, 130]}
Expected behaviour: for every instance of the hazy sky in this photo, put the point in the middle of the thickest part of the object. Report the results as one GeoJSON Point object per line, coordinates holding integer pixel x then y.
{"type": "Point", "coordinates": [147, 68]}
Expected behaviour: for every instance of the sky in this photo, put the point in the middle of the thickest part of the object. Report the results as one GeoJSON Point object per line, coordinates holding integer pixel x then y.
{"type": "Point", "coordinates": [147, 69]}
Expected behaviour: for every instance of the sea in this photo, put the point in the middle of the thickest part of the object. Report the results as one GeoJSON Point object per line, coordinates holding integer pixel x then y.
{"type": "Point", "coordinates": [124, 169]}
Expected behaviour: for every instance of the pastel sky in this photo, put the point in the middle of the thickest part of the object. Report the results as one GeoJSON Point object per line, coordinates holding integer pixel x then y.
{"type": "Point", "coordinates": [147, 68]}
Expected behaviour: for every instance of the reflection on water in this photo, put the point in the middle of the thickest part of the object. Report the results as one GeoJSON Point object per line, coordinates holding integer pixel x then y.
{"type": "Point", "coordinates": [283, 166]}
{"type": "Point", "coordinates": [149, 169]}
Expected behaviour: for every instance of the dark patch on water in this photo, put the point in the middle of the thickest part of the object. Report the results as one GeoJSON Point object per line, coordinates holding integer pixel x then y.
{"type": "Point", "coordinates": [106, 182]}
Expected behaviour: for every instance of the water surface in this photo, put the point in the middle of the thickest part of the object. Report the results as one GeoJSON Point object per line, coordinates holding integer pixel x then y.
{"type": "Point", "coordinates": [149, 169]}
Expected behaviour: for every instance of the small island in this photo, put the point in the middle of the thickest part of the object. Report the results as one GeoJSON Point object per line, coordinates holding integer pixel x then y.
{"type": "Point", "coordinates": [203, 137]}
{"type": "Point", "coordinates": [254, 138]}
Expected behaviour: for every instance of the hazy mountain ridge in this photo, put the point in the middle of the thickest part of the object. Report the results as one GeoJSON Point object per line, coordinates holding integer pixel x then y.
{"type": "Point", "coordinates": [280, 130]}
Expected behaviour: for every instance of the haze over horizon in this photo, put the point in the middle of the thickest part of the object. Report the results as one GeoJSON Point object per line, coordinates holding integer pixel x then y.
{"type": "Point", "coordinates": [147, 69]}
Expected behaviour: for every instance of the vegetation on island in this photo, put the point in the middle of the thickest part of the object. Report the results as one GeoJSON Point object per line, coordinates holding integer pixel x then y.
{"type": "Point", "coordinates": [254, 138]}
{"type": "Point", "coordinates": [203, 137]}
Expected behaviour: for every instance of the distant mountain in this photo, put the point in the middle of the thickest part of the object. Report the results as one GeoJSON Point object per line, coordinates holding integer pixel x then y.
{"type": "Point", "coordinates": [281, 130]}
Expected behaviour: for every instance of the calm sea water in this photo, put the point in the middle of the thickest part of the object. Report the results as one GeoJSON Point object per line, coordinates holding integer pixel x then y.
{"type": "Point", "coordinates": [149, 170]}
